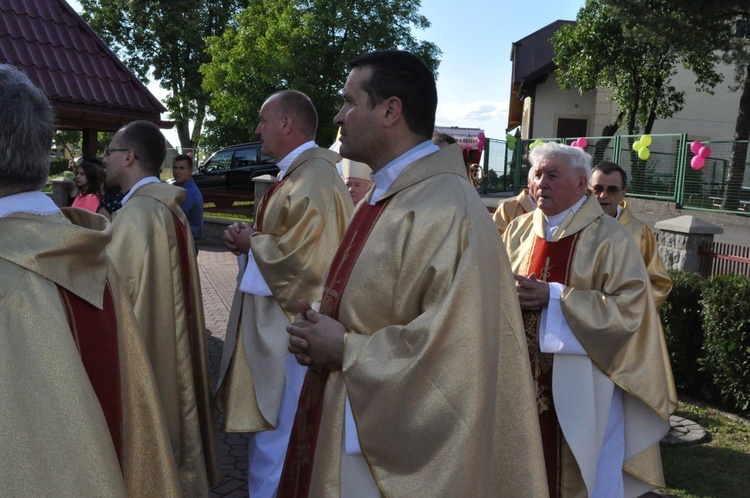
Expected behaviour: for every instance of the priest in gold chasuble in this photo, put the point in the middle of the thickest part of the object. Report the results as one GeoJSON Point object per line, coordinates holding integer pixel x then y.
{"type": "Point", "coordinates": [152, 249]}
{"type": "Point", "coordinates": [598, 357]}
{"type": "Point", "coordinates": [420, 382]}
{"type": "Point", "coordinates": [80, 414]}
{"type": "Point", "coordinates": [609, 186]}
{"type": "Point", "coordinates": [299, 224]}
{"type": "Point", "coordinates": [510, 209]}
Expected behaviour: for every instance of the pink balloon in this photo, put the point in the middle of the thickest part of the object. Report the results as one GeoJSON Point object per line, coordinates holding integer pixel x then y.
{"type": "Point", "coordinates": [481, 136]}
{"type": "Point", "coordinates": [697, 162]}
{"type": "Point", "coordinates": [704, 152]}
{"type": "Point", "coordinates": [695, 147]}
{"type": "Point", "coordinates": [190, 154]}
{"type": "Point", "coordinates": [574, 143]}
{"type": "Point", "coordinates": [480, 145]}
{"type": "Point", "coordinates": [582, 143]}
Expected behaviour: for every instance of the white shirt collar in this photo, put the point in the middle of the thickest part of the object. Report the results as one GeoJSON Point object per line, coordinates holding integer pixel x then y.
{"type": "Point", "coordinates": [619, 211]}
{"type": "Point", "coordinates": [33, 202]}
{"type": "Point", "coordinates": [142, 182]}
{"type": "Point", "coordinates": [552, 223]}
{"type": "Point", "coordinates": [387, 175]}
{"type": "Point", "coordinates": [285, 163]}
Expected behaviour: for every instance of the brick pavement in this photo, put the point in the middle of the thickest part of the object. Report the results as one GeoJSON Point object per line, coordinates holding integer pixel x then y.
{"type": "Point", "coordinates": [218, 273]}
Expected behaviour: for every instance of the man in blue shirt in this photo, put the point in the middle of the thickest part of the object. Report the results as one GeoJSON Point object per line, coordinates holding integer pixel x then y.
{"type": "Point", "coordinates": [192, 206]}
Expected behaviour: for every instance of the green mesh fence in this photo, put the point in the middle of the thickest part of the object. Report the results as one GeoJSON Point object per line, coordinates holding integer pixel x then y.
{"type": "Point", "coordinates": [668, 171]}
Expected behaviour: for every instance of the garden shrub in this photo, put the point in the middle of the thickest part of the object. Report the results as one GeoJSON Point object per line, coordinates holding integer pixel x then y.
{"type": "Point", "coordinates": [57, 166]}
{"type": "Point", "coordinates": [726, 322]}
{"type": "Point", "coordinates": [683, 330]}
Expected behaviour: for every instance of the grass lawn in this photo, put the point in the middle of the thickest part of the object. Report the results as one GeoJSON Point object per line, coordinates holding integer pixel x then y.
{"type": "Point", "coordinates": [717, 469]}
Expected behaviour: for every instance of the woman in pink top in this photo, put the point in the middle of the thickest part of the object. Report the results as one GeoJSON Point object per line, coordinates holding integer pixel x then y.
{"type": "Point", "coordinates": [87, 181]}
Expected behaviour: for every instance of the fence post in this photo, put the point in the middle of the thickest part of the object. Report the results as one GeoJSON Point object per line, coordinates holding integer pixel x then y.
{"type": "Point", "coordinates": [680, 173]}
{"type": "Point", "coordinates": [680, 241]}
{"type": "Point", "coordinates": [261, 185]}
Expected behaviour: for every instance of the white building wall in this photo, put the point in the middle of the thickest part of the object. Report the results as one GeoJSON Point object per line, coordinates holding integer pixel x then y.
{"type": "Point", "coordinates": [551, 104]}
{"type": "Point", "coordinates": [704, 116]}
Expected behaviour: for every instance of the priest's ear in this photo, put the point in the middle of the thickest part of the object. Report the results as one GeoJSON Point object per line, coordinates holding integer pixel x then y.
{"type": "Point", "coordinates": [392, 107]}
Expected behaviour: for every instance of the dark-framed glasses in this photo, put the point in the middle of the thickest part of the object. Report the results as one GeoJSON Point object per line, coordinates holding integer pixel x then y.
{"type": "Point", "coordinates": [610, 190]}
{"type": "Point", "coordinates": [108, 152]}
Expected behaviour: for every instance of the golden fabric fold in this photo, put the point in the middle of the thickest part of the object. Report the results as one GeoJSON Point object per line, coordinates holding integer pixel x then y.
{"type": "Point", "coordinates": [303, 222]}
{"type": "Point", "coordinates": [437, 373]}
{"type": "Point", "coordinates": [55, 389]}
{"type": "Point", "coordinates": [145, 251]}
{"type": "Point", "coordinates": [644, 237]}
{"type": "Point", "coordinates": [610, 308]}
{"type": "Point", "coordinates": [511, 209]}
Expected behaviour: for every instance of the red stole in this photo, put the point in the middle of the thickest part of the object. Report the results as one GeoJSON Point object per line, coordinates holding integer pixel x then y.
{"type": "Point", "coordinates": [264, 202]}
{"type": "Point", "coordinates": [551, 262]}
{"type": "Point", "coordinates": [298, 465]}
{"type": "Point", "coordinates": [95, 333]}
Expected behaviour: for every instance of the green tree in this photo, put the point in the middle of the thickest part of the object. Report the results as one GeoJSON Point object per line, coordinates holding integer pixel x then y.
{"type": "Point", "coordinates": [634, 50]}
{"type": "Point", "coordinates": [68, 140]}
{"type": "Point", "coordinates": [303, 45]}
{"type": "Point", "coordinates": [165, 39]}
{"type": "Point", "coordinates": [727, 26]}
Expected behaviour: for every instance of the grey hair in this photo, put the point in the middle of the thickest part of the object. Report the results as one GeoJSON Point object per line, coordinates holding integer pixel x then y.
{"type": "Point", "coordinates": [576, 158]}
{"type": "Point", "coordinates": [27, 126]}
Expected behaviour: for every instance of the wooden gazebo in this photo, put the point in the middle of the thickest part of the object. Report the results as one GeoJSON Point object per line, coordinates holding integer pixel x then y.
{"type": "Point", "coordinates": [89, 87]}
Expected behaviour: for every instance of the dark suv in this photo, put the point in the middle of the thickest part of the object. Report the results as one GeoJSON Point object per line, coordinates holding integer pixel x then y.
{"type": "Point", "coordinates": [227, 175]}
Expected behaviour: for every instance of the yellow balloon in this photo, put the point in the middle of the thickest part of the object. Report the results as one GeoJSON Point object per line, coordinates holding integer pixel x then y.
{"type": "Point", "coordinates": [644, 153]}
{"type": "Point", "coordinates": [637, 145]}
{"type": "Point", "coordinates": [646, 140]}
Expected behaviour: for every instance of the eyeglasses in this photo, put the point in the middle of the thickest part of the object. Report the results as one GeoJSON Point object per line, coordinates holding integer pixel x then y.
{"type": "Point", "coordinates": [108, 152]}
{"type": "Point", "coordinates": [611, 190]}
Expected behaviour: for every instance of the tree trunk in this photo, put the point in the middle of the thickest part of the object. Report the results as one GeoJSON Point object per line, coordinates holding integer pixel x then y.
{"type": "Point", "coordinates": [601, 145]}
{"type": "Point", "coordinates": [183, 133]}
{"type": "Point", "coordinates": [736, 171]}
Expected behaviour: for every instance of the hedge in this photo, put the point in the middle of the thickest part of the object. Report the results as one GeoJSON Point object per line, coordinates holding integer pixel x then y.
{"type": "Point", "coordinates": [726, 323]}
{"type": "Point", "coordinates": [683, 329]}
{"type": "Point", "coordinates": [58, 166]}
{"type": "Point", "coordinates": [707, 329]}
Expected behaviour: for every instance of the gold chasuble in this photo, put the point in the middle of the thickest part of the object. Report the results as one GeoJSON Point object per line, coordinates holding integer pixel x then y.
{"type": "Point", "coordinates": [435, 363]}
{"type": "Point", "coordinates": [511, 209]}
{"type": "Point", "coordinates": [152, 249]}
{"type": "Point", "coordinates": [79, 390]}
{"type": "Point", "coordinates": [645, 239]}
{"type": "Point", "coordinates": [299, 224]}
{"type": "Point", "coordinates": [608, 304]}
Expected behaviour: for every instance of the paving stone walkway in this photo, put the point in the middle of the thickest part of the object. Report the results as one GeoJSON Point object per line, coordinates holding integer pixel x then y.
{"type": "Point", "coordinates": [218, 271]}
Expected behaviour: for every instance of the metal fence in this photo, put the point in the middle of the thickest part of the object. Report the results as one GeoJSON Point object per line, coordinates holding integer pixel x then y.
{"type": "Point", "coordinates": [724, 259]}
{"type": "Point", "coordinates": [669, 173]}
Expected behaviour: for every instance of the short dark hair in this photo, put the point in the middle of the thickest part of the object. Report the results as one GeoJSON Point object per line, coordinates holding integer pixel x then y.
{"type": "Point", "coordinates": [301, 108]}
{"type": "Point", "coordinates": [183, 157]}
{"type": "Point", "coordinates": [608, 167]}
{"type": "Point", "coordinates": [148, 143]}
{"type": "Point", "coordinates": [401, 74]}
{"type": "Point", "coordinates": [438, 138]}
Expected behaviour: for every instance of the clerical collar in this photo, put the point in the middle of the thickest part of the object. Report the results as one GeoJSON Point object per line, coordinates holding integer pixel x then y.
{"type": "Point", "coordinates": [551, 223]}
{"type": "Point", "coordinates": [141, 182]}
{"type": "Point", "coordinates": [532, 201]}
{"type": "Point", "coordinates": [619, 211]}
{"type": "Point", "coordinates": [34, 202]}
{"type": "Point", "coordinates": [285, 163]}
{"type": "Point", "coordinates": [387, 175]}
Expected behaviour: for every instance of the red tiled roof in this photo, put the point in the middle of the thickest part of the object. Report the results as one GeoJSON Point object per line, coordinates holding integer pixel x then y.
{"type": "Point", "coordinates": [84, 80]}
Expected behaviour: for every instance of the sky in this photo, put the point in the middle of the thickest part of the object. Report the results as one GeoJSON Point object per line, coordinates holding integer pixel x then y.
{"type": "Point", "coordinates": [475, 70]}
